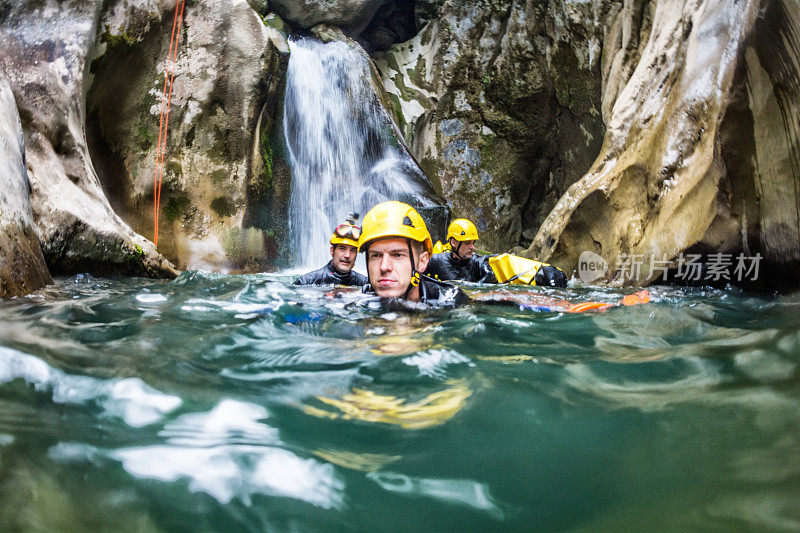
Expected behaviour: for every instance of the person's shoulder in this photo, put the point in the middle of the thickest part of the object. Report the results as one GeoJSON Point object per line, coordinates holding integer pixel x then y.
{"type": "Point", "coordinates": [311, 278]}
{"type": "Point", "coordinates": [437, 264]}
{"type": "Point", "coordinates": [359, 279]}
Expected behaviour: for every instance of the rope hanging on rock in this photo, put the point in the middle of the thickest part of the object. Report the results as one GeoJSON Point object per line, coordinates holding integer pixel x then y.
{"type": "Point", "coordinates": [169, 76]}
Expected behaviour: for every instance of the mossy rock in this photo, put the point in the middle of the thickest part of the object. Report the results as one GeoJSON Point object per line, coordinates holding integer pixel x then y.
{"type": "Point", "coordinates": [222, 206]}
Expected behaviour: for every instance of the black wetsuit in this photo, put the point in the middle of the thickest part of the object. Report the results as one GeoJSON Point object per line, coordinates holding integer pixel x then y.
{"type": "Point", "coordinates": [328, 275]}
{"type": "Point", "coordinates": [432, 293]}
{"type": "Point", "coordinates": [444, 266]}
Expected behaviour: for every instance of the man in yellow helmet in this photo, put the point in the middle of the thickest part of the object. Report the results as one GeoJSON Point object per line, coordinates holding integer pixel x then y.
{"type": "Point", "coordinates": [462, 263]}
{"type": "Point", "coordinates": [398, 247]}
{"type": "Point", "coordinates": [344, 250]}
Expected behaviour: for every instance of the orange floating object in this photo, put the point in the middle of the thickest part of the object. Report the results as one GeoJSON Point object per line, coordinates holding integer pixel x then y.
{"type": "Point", "coordinates": [641, 297]}
{"type": "Point", "coordinates": [588, 306]}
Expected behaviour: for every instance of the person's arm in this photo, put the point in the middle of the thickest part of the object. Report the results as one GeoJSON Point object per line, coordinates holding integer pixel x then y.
{"type": "Point", "coordinates": [550, 276]}
{"type": "Point", "coordinates": [480, 270]}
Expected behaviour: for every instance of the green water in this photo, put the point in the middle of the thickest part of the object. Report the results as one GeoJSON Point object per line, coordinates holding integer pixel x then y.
{"type": "Point", "coordinates": [240, 403]}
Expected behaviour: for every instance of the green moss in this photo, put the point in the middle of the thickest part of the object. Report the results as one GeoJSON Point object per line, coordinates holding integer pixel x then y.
{"type": "Point", "coordinates": [426, 38]}
{"type": "Point", "coordinates": [114, 41]}
{"type": "Point", "coordinates": [222, 206]}
{"type": "Point", "coordinates": [265, 183]}
{"type": "Point", "coordinates": [175, 168]}
{"type": "Point", "coordinates": [498, 156]}
{"type": "Point", "coordinates": [144, 138]}
{"type": "Point", "coordinates": [219, 176]}
{"type": "Point", "coordinates": [220, 149]}
{"type": "Point", "coordinates": [391, 61]}
{"type": "Point", "coordinates": [417, 74]}
{"type": "Point", "coordinates": [274, 21]}
{"type": "Point", "coordinates": [176, 206]}
{"type": "Point", "coordinates": [398, 110]}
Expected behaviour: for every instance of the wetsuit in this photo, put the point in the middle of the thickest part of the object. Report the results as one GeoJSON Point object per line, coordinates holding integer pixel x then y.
{"type": "Point", "coordinates": [328, 275]}
{"type": "Point", "coordinates": [432, 293]}
{"type": "Point", "coordinates": [444, 266]}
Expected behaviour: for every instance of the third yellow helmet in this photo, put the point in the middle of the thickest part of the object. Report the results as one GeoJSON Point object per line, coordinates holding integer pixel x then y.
{"type": "Point", "coordinates": [461, 230]}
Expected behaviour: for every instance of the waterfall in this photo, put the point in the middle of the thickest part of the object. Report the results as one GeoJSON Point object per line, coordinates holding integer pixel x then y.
{"type": "Point", "coordinates": [344, 151]}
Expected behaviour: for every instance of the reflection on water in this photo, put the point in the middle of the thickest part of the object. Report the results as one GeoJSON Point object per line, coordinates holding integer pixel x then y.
{"type": "Point", "coordinates": [434, 409]}
{"type": "Point", "coordinates": [242, 403]}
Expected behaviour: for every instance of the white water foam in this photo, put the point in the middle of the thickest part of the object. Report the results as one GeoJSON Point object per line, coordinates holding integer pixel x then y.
{"type": "Point", "coordinates": [434, 363]}
{"type": "Point", "coordinates": [130, 399]}
{"type": "Point", "coordinates": [228, 453]}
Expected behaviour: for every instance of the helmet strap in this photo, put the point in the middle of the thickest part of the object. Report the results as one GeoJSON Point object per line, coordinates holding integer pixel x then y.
{"type": "Point", "coordinates": [414, 273]}
{"type": "Point", "coordinates": [457, 250]}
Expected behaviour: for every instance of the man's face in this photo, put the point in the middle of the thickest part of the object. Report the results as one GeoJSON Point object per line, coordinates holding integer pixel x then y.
{"type": "Point", "coordinates": [344, 257]}
{"type": "Point", "coordinates": [466, 250]}
{"type": "Point", "coordinates": [389, 267]}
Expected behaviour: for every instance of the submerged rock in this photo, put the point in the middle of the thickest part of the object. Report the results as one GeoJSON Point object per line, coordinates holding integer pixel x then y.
{"type": "Point", "coordinates": [22, 266]}
{"type": "Point", "coordinates": [701, 151]}
{"type": "Point", "coordinates": [44, 47]}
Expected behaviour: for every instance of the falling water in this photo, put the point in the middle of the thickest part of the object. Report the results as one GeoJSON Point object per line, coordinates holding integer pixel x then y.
{"type": "Point", "coordinates": [344, 151]}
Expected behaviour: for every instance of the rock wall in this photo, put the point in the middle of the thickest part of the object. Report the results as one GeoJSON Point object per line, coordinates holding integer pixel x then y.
{"type": "Point", "coordinates": [22, 266]}
{"type": "Point", "coordinates": [701, 149]}
{"type": "Point", "coordinates": [44, 49]}
{"type": "Point", "coordinates": [352, 16]}
{"type": "Point", "coordinates": [215, 171]}
{"type": "Point", "coordinates": [620, 127]}
{"type": "Point", "coordinates": [501, 103]}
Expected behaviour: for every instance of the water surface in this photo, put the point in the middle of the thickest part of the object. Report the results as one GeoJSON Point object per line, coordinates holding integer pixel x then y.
{"type": "Point", "coordinates": [241, 403]}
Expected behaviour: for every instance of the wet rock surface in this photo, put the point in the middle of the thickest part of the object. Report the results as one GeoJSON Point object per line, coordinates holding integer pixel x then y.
{"type": "Point", "coordinates": [501, 104]}
{"type": "Point", "coordinates": [701, 148]}
{"type": "Point", "coordinates": [44, 51]}
{"type": "Point", "coordinates": [22, 266]}
{"type": "Point", "coordinates": [215, 169]}
{"type": "Point", "coordinates": [352, 16]}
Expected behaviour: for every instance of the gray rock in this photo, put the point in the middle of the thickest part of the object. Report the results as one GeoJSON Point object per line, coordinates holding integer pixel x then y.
{"type": "Point", "coordinates": [22, 266]}
{"type": "Point", "coordinates": [700, 152]}
{"type": "Point", "coordinates": [352, 16]}
{"type": "Point", "coordinates": [226, 87]}
{"type": "Point", "coordinates": [44, 52]}
{"type": "Point", "coordinates": [506, 90]}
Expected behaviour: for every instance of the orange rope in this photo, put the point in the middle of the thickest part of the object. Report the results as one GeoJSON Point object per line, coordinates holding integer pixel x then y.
{"type": "Point", "coordinates": [164, 117]}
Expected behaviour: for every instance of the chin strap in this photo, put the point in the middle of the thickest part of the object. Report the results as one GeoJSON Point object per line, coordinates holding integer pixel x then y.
{"type": "Point", "coordinates": [457, 250]}
{"type": "Point", "coordinates": [414, 272]}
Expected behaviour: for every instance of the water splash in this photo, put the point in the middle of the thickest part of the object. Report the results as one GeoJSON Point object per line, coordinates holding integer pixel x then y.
{"type": "Point", "coordinates": [343, 148]}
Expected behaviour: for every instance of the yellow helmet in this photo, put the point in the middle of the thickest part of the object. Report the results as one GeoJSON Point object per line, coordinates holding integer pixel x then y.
{"type": "Point", "coordinates": [394, 219]}
{"type": "Point", "coordinates": [462, 229]}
